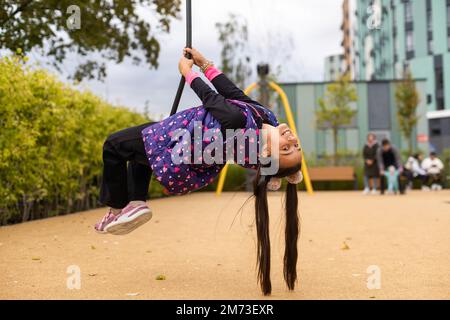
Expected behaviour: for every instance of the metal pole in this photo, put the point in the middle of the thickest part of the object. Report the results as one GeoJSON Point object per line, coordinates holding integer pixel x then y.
{"type": "Point", "coordinates": [176, 102]}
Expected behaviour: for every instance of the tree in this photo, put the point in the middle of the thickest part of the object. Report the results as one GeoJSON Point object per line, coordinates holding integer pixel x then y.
{"type": "Point", "coordinates": [334, 109]}
{"type": "Point", "coordinates": [96, 30]}
{"type": "Point", "coordinates": [407, 99]}
{"type": "Point", "coordinates": [235, 57]}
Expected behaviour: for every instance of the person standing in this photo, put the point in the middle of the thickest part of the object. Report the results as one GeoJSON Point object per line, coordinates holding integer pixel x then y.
{"type": "Point", "coordinates": [388, 156]}
{"type": "Point", "coordinates": [370, 164]}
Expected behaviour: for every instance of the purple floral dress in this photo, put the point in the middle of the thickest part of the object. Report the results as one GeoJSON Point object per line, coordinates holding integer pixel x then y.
{"type": "Point", "coordinates": [183, 178]}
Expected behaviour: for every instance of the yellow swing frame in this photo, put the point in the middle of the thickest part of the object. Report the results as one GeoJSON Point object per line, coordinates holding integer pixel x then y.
{"type": "Point", "coordinates": [291, 122]}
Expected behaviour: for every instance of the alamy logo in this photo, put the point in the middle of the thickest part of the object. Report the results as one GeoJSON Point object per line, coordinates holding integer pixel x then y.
{"type": "Point", "coordinates": [74, 20]}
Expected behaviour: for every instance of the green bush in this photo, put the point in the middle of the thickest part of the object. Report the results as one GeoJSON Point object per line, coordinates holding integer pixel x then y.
{"type": "Point", "coordinates": [50, 143]}
{"type": "Point", "coordinates": [445, 157]}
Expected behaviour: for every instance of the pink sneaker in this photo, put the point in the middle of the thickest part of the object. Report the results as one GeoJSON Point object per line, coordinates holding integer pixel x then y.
{"type": "Point", "coordinates": [106, 220]}
{"type": "Point", "coordinates": [131, 217]}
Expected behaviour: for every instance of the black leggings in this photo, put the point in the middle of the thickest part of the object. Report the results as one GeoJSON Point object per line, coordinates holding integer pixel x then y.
{"type": "Point", "coordinates": [122, 184]}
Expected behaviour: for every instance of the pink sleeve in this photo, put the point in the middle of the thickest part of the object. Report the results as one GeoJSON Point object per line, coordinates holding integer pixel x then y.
{"type": "Point", "coordinates": [212, 72]}
{"type": "Point", "coordinates": [191, 76]}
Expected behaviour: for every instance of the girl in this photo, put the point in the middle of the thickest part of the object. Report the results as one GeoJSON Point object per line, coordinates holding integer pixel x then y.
{"type": "Point", "coordinates": [150, 149]}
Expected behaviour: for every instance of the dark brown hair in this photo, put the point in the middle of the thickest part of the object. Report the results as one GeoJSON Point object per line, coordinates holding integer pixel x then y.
{"type": "Point", "coordinates": [262, 230]}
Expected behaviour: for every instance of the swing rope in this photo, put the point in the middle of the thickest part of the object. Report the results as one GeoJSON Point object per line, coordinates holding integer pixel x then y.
{"type": "Point", "coordinates": [176, 102]}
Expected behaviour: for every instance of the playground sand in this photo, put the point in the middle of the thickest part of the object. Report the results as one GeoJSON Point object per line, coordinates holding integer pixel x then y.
{"type": "Point", "coordinates": [204, 248]}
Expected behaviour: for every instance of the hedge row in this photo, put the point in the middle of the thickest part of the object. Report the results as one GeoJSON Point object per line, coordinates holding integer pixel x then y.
{"type": "Point", "coordinates": [50, 143]}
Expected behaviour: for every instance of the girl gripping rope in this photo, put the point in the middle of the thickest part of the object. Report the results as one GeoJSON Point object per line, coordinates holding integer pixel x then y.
{"type": "Point", "coordinates": [182, 152]}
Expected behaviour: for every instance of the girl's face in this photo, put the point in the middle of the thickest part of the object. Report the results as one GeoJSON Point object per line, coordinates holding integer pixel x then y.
{"type": "Point", "coordinates": [289, 148]}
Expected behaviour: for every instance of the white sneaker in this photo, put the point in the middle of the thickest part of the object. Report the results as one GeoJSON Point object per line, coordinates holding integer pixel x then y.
{"type": "Point", "coordinates": [131, 217]}
{"type": "Point", "coordinates": [425, 188]}
{"type": "Point", "coordinates": [374, 192]}
{"type": "Point", "coordinates": [436, 187]}
{"type": "Point", "coordinates": [366, 191]}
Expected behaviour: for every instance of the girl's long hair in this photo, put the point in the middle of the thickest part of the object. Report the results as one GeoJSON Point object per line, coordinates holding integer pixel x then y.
{"type": "Point", "coordinates": [262, 230]}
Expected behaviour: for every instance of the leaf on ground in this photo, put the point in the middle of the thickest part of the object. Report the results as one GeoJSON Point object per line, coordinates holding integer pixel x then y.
{"type": "Point", "coordinates": [35, 258]}
{"type": "Point", "coordinates": [92, 274]}
{"type": "Point", "coordinates": [148, 251]}
{"type": "Point", "coordinates": [345, 246]}
{"type": "Point", "coordinates": [132, 294]}
{"type": "Point", "coordinates": [161, 277]}
{"type": "Point", "coordinates": [93, 247]}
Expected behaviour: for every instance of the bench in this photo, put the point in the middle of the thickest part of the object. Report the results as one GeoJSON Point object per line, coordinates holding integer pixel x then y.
{"type": "Point", "coordinates": [334, 174]}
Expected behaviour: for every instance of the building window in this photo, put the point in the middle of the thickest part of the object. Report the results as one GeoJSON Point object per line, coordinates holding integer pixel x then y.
{"type": "Point", "coordinates": [429, 27]}
{"type": "Point", "coordinates": [448, 24]}
{"type": "Point", "coordinates": [448, 13]}
{"type": "Point", "coordinates": [440, 103]}
{"type": "Point", "coordinates": [394, 16]}
{"type": "Point", "coordinates": [430, 46]}
{"type": "Point", "coordinates": [409, 27]}
{"type": "Point", "coordinates": [408, 12]}
{"type": "Point", "coordinates": [429, 16]}
{"type": "Point", "coordinates": [410, 44]}
{"type": "Point", "coordinates": [439, 80]}
{"type": "Point", "coordinates": [394, 30]}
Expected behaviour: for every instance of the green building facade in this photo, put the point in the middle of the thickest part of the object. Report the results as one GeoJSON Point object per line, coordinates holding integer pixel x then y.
{"type": "Point", "coordinates": [334, 67]}
{"type": "Point", "coordinates": [407, 33]}
{"type": "Point", "coordinates": [376, 113]}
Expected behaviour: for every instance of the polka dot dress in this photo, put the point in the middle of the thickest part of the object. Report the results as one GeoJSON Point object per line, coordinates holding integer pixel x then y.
{"type": "Point", "coordinates": [177, 135]}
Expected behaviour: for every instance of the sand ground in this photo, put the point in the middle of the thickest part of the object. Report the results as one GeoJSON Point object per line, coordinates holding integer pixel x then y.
{"type": "Point", "coordinates": [206, 250]}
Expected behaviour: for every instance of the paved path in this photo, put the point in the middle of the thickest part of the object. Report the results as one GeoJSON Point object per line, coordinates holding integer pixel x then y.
{"type": "Point", "coordinates": [194, 243]}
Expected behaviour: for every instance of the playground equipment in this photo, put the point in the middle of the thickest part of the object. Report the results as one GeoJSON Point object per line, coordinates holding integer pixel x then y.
{"type": "Point", "coordinates": [291, 122]}
{"type": "Point", "coordinates": [263, 71]}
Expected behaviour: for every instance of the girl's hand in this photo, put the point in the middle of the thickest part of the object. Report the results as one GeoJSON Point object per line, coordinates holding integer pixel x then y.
{"type": "Point", "coordinates": [185, 65]}
{"type": "Point", "coordinates": [199, 59]}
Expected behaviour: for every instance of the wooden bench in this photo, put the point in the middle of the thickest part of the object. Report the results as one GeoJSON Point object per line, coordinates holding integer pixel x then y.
{"type": "Point", "coordinates": [333, 174]}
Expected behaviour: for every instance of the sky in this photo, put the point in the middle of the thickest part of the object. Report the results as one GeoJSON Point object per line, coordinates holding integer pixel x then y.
{"type": "Point", "coordinates": [312, 26]}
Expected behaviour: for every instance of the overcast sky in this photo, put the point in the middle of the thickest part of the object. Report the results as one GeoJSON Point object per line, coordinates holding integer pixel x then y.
{"type": "Point", "coordinates": [313, 27]}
